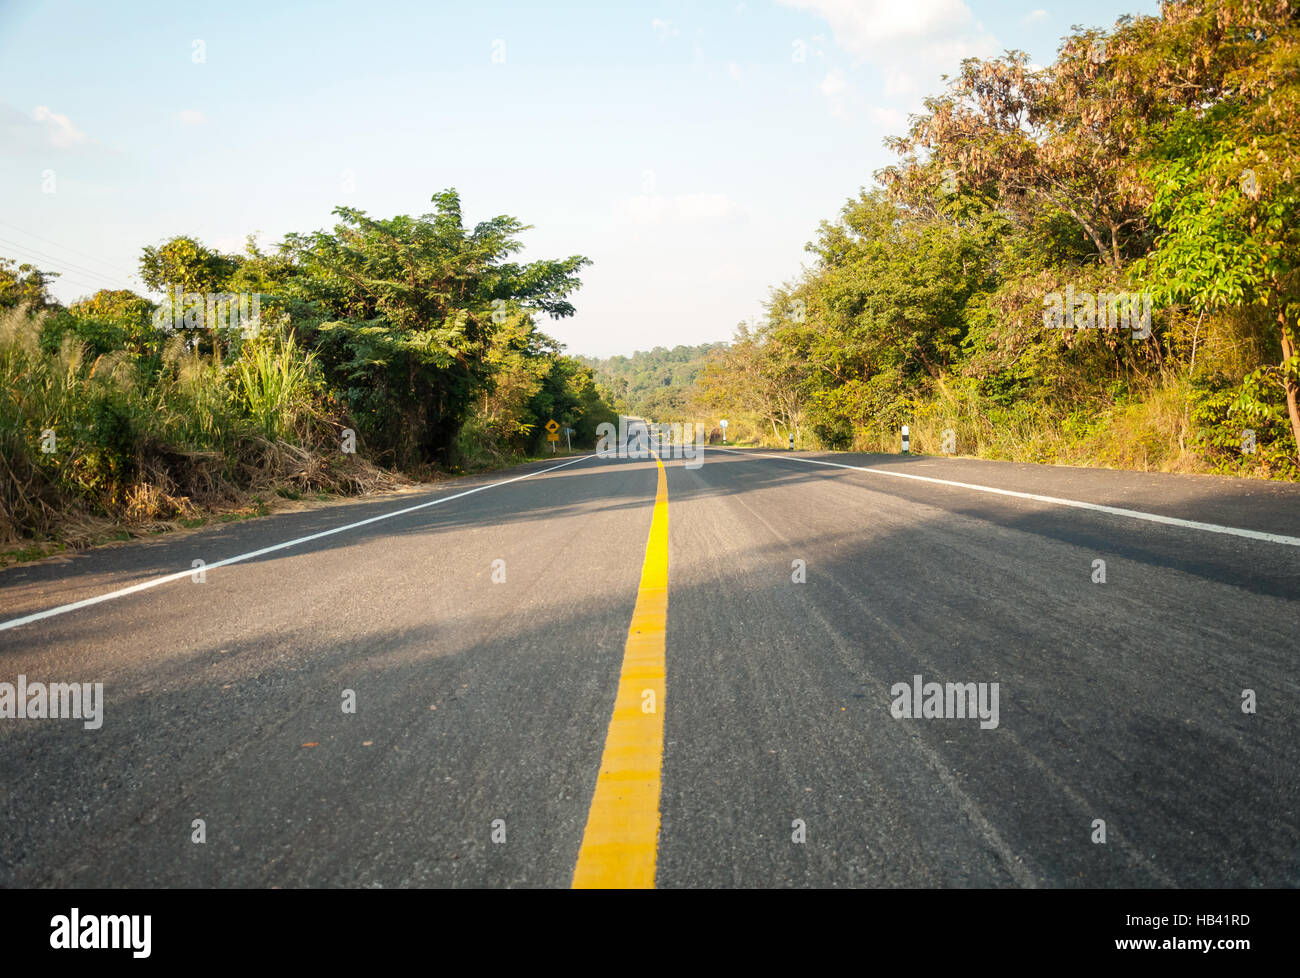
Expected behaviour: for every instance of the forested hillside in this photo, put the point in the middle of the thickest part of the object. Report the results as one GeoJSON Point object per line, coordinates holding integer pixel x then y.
{"type": "Point", "coordinates": [338, 360]}
{"type": "Point", "coordinates": [1093, 261]}
{"type": "Point", "coordinates": [654, 383]}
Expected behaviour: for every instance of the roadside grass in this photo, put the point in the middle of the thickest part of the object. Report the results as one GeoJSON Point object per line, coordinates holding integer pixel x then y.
{"type": "Point", "coordinates": [90, 533]}
{"type": "Point", "coordinates": [1152, 428]}
{"type": "Point", "coordinates": [101, 449]}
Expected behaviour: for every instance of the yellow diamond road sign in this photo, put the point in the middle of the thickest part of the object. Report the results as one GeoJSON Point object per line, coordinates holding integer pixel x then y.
{"type": "Point", "coordinates": [552, 429]}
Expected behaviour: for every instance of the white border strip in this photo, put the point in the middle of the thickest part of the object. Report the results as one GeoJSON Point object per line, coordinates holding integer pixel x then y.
{"type": "Point", "coordinates": [1054, 500]}
{"type": "Point", "coordinates": [154, 582]}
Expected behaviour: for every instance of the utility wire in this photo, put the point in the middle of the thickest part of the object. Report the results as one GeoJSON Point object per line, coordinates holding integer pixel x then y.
{"type": "Point", "coordinates": [99, 261]}
{"type": "Point", "coordinates": [80, 269]}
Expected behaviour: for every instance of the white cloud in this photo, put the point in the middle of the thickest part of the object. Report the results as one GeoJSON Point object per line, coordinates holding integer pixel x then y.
{"type": "Point", "coordinates": [891, 119]}
{"type": "Point", "coordinates": [733, 70]}
{"type": "Point", "coordinates": [911, 42]}
{"type": "Point", "coordinates": [58, 129]}
{"type": "Point", "coordinates": [834, 84]}
{"type": "Point", "coordinates": [862, 27]}
{"type": "Point", "coordinates": [34, 136]}
{"type": "Point", "coordinates": [664, 28]}
{"type": "Point", "coordinates": [191, 117]}
{"type": "Point", "coordinates": [1034, 16]}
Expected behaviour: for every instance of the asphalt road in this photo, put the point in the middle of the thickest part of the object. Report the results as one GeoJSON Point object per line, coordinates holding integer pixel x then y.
{"type": "Point", "coordinates": [483, 706]}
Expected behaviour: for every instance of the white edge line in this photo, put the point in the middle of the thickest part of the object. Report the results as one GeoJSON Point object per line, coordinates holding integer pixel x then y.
{"type": "Point", "coordinates": [1055, 500]}
{"type": "Point", "coordinates": [154, 582]}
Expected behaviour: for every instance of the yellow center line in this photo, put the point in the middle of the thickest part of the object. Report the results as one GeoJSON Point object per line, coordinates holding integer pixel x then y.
{"type": "Point", "coordinates": [621, 841]}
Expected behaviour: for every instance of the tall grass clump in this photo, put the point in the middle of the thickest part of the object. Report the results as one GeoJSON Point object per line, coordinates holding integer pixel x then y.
{"type": "Point", "coordinates": [86, 438]}
{"type": "Point", "coordinates": [274, 383]}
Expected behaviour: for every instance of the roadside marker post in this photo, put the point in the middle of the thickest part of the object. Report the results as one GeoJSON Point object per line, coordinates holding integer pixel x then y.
{"type": "Point", "coordinates": [906, 441]}
{"type": "Point", "coordinates": [723, 423]}
{"type": "Point", "coordinates": [792, 442]}
{"type": "Point", "coordinates": [568, 439]}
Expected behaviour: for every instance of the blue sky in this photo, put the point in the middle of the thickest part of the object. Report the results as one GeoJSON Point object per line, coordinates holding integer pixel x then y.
{"type": "Point", "coordinates": [689, 149]}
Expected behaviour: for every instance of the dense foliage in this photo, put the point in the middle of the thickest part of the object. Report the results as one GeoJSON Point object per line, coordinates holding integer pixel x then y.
{"type": "Point", "coordinates": [1159, 161]}
{"type": "Point", "coordinates": [410, 343]}
{"type": "Point", "coordinates": [654, 383]}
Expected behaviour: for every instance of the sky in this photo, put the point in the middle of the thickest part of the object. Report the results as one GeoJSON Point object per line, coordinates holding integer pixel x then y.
{"type": "Point", "coordinates": [690, 150]}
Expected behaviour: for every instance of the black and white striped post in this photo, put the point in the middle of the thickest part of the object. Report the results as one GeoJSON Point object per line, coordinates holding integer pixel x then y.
{"type": "Point", "coordinates": [906, 441]}
{"type": "Point", "coordinates": [792, 442]}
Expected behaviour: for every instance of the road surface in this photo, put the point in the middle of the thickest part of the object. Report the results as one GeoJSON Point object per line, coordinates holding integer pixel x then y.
{"type": "Point", "coordinates": [485, 629]}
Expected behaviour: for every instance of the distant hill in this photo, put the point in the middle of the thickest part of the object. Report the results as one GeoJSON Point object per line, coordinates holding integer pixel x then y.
{"type": "Point", "coordinates": [653, 383]}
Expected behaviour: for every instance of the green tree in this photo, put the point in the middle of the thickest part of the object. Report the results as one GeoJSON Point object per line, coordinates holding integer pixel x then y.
{"type": "Point", "coordinates": [184, 262]}
{"type": "Point", "coordinates": [24, 284]}
{"type": "Point", "coordinates": [1225, 172]}
{"type": "Point", "coordinates": [412, 304]}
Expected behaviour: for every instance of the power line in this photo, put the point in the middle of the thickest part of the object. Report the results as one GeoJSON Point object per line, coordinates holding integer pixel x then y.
{"type": "Point", "coordinates": [91, 288]}
{"type": "Point", "coordinates": [64, 262]}
{"type": "Point", "coordinates": [100, 261]}
{"type": "Point", "coordinates": [80, 269]}
{"type": "Point", "coordinates": [72, 281]}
